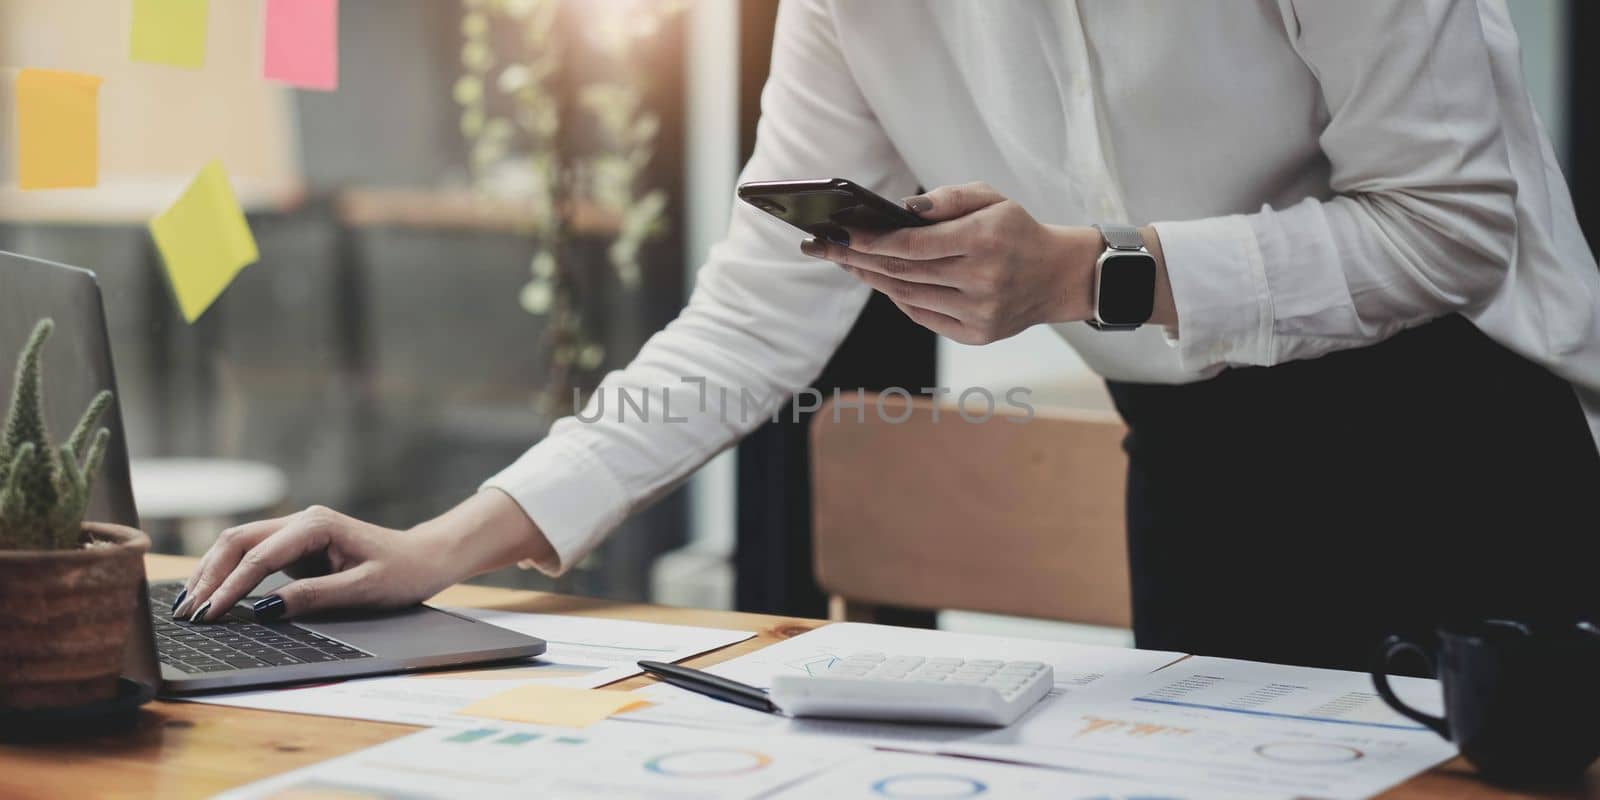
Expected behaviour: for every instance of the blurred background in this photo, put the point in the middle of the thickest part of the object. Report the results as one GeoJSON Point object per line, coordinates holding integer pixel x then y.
{"type": "Point", "coordinates": [501, 202]}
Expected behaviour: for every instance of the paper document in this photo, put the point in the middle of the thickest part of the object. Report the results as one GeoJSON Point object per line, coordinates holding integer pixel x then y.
{"type": "Point", "coordinates": [889, 775]}
{"type": "Point", "coordinates": [1230, 726]}
{"type": "Point", "coordinates": [58, 129]}
{"type": "Point", "coordinates": [171, 32]}
{"type": "Point", "coordinates": [1077, 668]}
{"type": "Point", "coordinates": [1075, 665]}
{"type": "Point", "coordinates": [1233, 725]}
{"type": "Point", "coordinates": [583, 652]}
{"type": "Point", "coordinates": [521, 761]}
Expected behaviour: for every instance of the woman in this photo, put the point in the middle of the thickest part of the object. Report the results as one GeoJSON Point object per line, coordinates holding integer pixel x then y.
{"type": "Point", "coordinates": [1365, 396]}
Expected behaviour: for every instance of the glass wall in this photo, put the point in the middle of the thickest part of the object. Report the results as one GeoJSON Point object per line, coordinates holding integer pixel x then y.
{"type": "Point", "coordinates": [487, 215]}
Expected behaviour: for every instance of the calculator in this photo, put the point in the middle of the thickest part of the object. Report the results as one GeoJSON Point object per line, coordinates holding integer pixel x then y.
{"type": "Point", "coordinates": [910, 688]}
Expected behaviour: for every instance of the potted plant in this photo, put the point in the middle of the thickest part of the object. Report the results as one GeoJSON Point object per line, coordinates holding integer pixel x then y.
{"type": "Point", "coordinates": [68, 589]}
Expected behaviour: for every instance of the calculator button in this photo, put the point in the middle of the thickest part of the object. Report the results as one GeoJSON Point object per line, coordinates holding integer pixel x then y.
{"type": "Point", "coordinates": [867, 655]}
{"type": "Point", "coordinates": [965, 680]}
{"type": "Point", "coordinates": [950, 662]}
{"type": "Point", "coordinates": [1011, 669]}
{"type": "Point", "coordinates": [906, 663]}
{"type": "Point", "coordinates": [986, 663]}
{"type": "Point", "coordinates": [942, 669]}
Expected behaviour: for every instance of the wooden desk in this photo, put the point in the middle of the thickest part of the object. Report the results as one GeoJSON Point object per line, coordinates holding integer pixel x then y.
{"type": "Point", "coordinates": [195, 750]}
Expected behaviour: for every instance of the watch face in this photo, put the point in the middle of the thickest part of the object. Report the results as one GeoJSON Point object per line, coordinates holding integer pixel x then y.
{"type": "Point", "coordinates": [1127, 288]}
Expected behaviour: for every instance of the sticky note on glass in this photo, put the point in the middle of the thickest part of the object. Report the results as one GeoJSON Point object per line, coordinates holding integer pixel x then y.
{"type": "Point", "coordinates": [204, 241]}
{"type": "Point", "coordinates": [302, 44]}
{"type": "Point", "coordinates": [58, 129]}
{"type": "Point", "coordinates": [554, 705]}
{"type": "Point", "coordinates": [169, 32]}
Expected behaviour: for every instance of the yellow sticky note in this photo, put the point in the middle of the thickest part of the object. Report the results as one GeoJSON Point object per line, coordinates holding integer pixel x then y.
{"type": "Point", "coordinates": [553, 705]}
{"type": "Point", "coordinates": [58, 129]}
{"type": "Point", "coordinates": [204, 241]}
{"type": "Point", "coordinates": [169, 32]}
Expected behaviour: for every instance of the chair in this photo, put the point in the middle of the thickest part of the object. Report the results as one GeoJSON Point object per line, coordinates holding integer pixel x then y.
{"type": "Point", "coordinates": [200, 497]}
{"type": "Point", "coordinates": [1023, 519]}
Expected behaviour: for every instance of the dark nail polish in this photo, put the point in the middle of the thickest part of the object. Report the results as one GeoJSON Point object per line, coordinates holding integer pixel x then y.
{"type": "Point", "coordinates": [178, 601]}
{"type": "Point", "coordinates": [201, 611]}
{"type": "Point", "coordinates": [268, 608]}
{"type": "Point", "coordinates": [919, 204]}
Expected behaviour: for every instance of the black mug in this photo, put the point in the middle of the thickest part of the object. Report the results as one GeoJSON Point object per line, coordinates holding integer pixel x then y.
{"type": "Point", "coordinates": [1521, 700]}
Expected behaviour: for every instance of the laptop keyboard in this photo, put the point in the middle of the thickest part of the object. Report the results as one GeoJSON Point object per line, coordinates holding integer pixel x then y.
{"type": "Point", "coordinates": [230, 644]}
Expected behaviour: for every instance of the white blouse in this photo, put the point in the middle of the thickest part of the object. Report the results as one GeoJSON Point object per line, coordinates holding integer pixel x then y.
{"type": "Point", "coordinates": [1321, 174]}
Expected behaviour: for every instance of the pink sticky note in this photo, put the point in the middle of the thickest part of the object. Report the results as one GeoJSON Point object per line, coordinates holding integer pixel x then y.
{"type": "Point", "coordinates": [302, 46]}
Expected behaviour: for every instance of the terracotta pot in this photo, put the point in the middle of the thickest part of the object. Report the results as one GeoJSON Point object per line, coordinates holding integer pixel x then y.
{"type": "Point", "coordinates": [65, 618]}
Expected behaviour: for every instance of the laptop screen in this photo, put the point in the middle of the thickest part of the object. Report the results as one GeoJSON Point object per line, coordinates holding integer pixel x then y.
{"type": "Point", "coordinates": [77, 365]}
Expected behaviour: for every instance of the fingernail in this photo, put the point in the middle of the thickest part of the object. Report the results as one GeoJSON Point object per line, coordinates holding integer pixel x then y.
{"type": "Point", "coordinates": [178, 601]}
{"type": "Point", "coordinates": [919, 203]}
{"type": "Point", "coordinates": [268, 608]}
{"type": "Point", "coordinates": [201, 611]}
{"type": "Point", "coordinates": [812, 247]}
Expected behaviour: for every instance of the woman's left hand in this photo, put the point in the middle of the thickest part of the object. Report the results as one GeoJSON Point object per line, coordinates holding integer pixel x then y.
{"type": "Point", "coordinates": [986, 271]}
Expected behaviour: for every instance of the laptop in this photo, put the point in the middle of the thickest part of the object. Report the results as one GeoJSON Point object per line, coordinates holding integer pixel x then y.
{"type": "Point", "coordinates": [236, 652]}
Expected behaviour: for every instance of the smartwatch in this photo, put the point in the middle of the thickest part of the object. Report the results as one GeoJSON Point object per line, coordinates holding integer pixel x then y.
{"type": "Point", "coordinates": [1124, 280]}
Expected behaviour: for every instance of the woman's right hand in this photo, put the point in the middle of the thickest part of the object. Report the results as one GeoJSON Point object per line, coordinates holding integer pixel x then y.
{"type": "Point", "coordinates": [339, 561]}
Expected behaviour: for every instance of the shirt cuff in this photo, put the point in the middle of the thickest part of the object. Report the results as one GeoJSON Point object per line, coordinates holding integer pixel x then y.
{"type": "Point", "coordinates": [569, 493]}
{"type": "Point", "coordinates": [1219, 286]}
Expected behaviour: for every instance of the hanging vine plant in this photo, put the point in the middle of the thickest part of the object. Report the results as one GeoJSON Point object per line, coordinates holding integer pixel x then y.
{"type": "Point", "coordinates": [522, 102]}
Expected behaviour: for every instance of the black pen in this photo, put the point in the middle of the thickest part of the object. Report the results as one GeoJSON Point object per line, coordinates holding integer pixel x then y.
{"type": "Point", "coordinates": [712, 686]}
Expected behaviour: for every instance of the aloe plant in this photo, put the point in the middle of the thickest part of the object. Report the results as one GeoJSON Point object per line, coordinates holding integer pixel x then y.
{"type": "Point", "coordinates": [44, 490]}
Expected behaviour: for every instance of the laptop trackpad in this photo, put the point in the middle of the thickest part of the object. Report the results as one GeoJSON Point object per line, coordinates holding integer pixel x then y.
{"type": "Point", "coordinates": [412, 632]}
{"type": "Point", "coordinates": [417, 631]}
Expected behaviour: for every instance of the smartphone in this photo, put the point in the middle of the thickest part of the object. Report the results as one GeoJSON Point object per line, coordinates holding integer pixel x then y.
{"type": "Point", "coordinates": [825, 207]}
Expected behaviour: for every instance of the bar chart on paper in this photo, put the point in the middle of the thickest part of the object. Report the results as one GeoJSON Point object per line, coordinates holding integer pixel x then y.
{"type": "Point", "coordinates": [506, 761]}
{"type": "Point", "coordinates": [1225, 723]}
{"type": "Point", "coordinates": [1279, 700]}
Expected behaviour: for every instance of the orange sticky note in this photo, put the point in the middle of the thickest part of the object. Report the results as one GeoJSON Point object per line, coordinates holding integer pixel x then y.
{"type": "Point", "coordinates": [554, 705]}
{"type": "Point", "coordinates": [302, 43]}
{"type": "Point", "coordinates": [204, 241]}
{"type": "Point", "coordinates": [58, 129]}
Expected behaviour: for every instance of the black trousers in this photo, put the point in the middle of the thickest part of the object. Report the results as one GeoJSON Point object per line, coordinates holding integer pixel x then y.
{"type": "Point", "coordinates": [1299, 513]}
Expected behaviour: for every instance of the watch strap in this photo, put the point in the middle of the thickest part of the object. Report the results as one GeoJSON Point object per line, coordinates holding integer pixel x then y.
{"type": "Point", "coordinates": [1121, 237]}
{"type": "Point", "coordinates": [1106, 326]}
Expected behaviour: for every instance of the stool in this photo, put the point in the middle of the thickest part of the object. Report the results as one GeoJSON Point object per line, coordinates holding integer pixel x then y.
{"type": "Point", "coordinates": [202, 496]}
